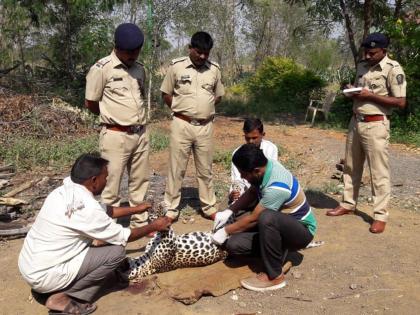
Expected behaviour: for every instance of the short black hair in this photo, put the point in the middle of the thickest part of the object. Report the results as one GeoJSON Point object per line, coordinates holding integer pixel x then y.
{"type": "Point", "coordinates": [202, 41]}
{"type": "Point", "coordinates": [86, 166]}
{"type": "Point", "coordinates": [248, 157]}
{"type": "Point", "coordinates": [251, 124]}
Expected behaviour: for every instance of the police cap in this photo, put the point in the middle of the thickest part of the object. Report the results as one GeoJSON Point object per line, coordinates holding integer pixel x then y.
{"type": "Point", "coordinates": [128, 36]}
{"type": "Point", "coordinates": [376, 40]}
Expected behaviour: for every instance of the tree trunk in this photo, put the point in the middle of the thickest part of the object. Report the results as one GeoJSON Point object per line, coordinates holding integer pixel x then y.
{"type": "Point", "coordinates": [350, 32]}
{"type": "Point", "coordinates": [398, 7]}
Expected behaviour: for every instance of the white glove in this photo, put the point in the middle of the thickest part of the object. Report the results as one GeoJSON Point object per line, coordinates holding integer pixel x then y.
{"type": "Point", "coordinates": [221, 218]}
{"type": "Point", "coordinates": [219, 237]}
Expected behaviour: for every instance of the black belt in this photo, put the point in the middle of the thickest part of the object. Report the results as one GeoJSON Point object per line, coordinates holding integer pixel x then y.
{"type": "Point", "coordinates": [127, 129]}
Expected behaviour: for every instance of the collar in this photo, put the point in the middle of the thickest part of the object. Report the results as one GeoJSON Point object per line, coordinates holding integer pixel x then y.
{"type": "Point", "coordinates": [267, 174]}
{"type": "Point", "coordinates": [190, 63]}
{"type": "Point", "coordinates": [115, 61]}
{"type": "Point", "coordinates": [384, 61]}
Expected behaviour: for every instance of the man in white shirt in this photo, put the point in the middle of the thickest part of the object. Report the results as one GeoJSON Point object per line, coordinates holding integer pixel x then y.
{"type": "Point", "coordinates": [254, 133]}
{"type": "Point", "coordinates": [57, 257]}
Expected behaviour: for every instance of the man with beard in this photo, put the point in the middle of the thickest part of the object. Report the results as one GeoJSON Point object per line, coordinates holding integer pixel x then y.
{"type": "Point", "coordinates": [282, 218]}
{"type": "Point", "coordinates": [383, 88]}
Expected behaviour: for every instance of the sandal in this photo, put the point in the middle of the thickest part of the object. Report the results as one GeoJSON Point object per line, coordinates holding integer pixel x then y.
{"type": "Point", "coordinates": [76, 308]}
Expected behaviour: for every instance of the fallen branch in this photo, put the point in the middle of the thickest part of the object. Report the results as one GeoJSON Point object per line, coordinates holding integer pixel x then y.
{"type": "Point", "coordinates": [7, 175]}
{"type": "Point", "coordinates": [20, 188]}
{"type": "Point", "coordinates": [8, 167]}
{"type": "Point", "coordinates": [297, 299]}
{"type": "Point", "coordinates": [12, 232]}
{"type": "Point", "coordinates": [12, 201]}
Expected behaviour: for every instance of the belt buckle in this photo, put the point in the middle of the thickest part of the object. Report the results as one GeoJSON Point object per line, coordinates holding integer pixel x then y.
{"type": "Point", "coordinates": [360, 117]}
{"type": "Point", "coordinates": [195, 122]}
{"type": "Point", "coordinates": [136, 128]}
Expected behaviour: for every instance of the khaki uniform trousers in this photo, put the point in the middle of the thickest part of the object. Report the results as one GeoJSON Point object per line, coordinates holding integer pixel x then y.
{"type": "Point", "coordinates": [184, 139]}
{"type": "Point", "coordinates": [130, 151]}
{"type": "Point", "coordinates": [368, 140]}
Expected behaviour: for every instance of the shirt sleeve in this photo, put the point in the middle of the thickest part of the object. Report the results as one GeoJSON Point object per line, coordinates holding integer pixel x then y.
{"type": "Point", "coordinates": [95, 83]}
{"type": "Point", "coordinates": [93, 222]}
{"type": "Point", "coordinates": [273, 198]}
{"type": "Point", "coordinates": [168, 83]}
{"type": "Point", "coordinates": [272, 152]}
{"type": "Point", "coordinates": [397, 82]}
{"type": "Point", "coordinates": [220, 89]}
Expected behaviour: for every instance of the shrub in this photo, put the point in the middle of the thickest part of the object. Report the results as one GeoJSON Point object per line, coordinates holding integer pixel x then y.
{"type": "Point", "coordinates": [283, 85]}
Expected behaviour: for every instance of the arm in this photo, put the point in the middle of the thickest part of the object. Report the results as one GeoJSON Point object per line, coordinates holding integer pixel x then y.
{"type": "Point", "coordinates": [386, 101]}
{"type": "Point", "coordinates": [245, 200]}
{"type": "Point", "coordinates": [161, 224]}
{"type": "Point", "coordinates": [245, 222]}
{"type": "Point", "coordinates": [167, 99]}
{"type": "Point", "coordinates": [93, 106]}
{"type": "Point", "coordinates": [118, 212]}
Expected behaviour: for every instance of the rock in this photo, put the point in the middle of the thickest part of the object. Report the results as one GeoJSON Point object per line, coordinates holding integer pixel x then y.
{"type": "Point", "coordinates": [242, 304]}
{"type": "Point", "coordinates": [234, 297]}
{"type": "Point", "coordinates": [296, 274]}
{"type": "Point", "coordinates": [353, 286]}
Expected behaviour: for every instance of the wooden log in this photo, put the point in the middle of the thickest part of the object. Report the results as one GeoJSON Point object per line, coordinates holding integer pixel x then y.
{"type": "Point", "coordinates": [12, 201]}
{"type": "Point", "coordinates": [20, 188]}
{"type": "Point", "coordinates": [8, 167]}
{"type": "Point", "coordinates": [7, 175]}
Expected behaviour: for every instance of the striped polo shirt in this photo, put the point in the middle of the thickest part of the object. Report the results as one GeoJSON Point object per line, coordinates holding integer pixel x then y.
{"type": "Point", "coordinates": [280, 191]}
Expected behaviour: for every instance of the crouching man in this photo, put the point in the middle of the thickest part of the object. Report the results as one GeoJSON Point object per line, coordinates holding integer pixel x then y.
{"type": "Point", "coordinates": [282, 218]}
{"type": "Point", "coordinates": [57, 257]}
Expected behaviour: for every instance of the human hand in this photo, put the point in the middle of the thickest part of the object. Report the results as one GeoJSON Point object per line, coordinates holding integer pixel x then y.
{"type": "Point", "coordinates": [221, 218]}
{"type": "Point", "coordinates": [161, 224]}
{"type": "Point", "coordinates": [234, 195]}
{"type": "Point", "coordinates": [362, 95]}
{"type": "Point", "coordinates": [98, 243]}
{"type": "Point", "coordinates": [142, 207]}
{"type": "Point", "coordinates": [219, 237]}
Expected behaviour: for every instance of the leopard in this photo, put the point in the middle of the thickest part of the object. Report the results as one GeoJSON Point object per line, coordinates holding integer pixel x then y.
{"type": "Point", "coordinates": [167, 251]}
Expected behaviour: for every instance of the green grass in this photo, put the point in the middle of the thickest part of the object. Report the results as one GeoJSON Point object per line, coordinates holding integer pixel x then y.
{"type": "Point", "coordinates": [223, 158]}
{"type": "Point", "coordinates": [28, 152]}
{"type": "Point", "coordinates": [159, 140]}
{"type": "Point", "coordinates": [221, 188]}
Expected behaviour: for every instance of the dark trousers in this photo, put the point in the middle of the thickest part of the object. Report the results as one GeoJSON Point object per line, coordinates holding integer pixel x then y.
{"type": "Point", "coordinates": [99, 263]}
{"type": "Point", "coordinates": [275, 232]}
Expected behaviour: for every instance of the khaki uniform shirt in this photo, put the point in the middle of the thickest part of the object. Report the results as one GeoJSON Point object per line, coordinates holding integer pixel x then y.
{"type": "Point", "coordinates": [385, 79]}
{"type": "Point", "coordinates": [194, 90]}
{"type": "Point", "coordinates": [119, 90]}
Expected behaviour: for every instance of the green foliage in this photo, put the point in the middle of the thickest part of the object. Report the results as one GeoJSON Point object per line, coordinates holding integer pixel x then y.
{"type": "Point", "coordinates": [159, 140]}
{"type": "Point", "coordinates": [29, 152]}
{"type": "Point", "coordinates": [223, 158]}
{"type": "Point", "coordinates": [284, 83]}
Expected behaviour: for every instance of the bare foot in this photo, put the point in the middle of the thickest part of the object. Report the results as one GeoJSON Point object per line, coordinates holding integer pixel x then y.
{"type": "Point", "coordinates": [57, 302]}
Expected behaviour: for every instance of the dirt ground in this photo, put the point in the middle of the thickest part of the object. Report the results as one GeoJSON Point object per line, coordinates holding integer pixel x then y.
{"type": "Point", "coordinates": [355, 272]}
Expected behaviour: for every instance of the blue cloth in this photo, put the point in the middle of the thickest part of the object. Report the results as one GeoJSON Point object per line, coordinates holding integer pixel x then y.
{"type": "Point", "coordinates": [128, 36]}
{"type": "Point", "coordinates": [376, 40]}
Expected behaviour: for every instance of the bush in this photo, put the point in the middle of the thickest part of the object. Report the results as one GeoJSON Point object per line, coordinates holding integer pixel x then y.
{"type": "Point", "coordinates": [282, 85]}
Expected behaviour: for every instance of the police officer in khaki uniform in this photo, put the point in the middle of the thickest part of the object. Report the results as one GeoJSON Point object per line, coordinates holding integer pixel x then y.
{"type": "Point", "coordinates": [115, 92]}
{"type": "Point", "coordinates": [383, 86]}
{"type": "Point", "coordinates": [191, 88]}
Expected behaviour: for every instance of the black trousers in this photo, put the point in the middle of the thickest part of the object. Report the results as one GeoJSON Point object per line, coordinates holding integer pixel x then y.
{"type": "Point", "coordinates": [275, 232]}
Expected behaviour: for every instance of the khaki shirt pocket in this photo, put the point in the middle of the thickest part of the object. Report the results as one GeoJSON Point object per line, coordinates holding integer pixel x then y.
{"type": "Point", "coordinates": [118, 87]}
{"type": "Point", "coordinates": [183, 86]}
{"type": "Point", "coordinates": [378, 85]}
{"type": "Point", "coordinates": [208, 86]}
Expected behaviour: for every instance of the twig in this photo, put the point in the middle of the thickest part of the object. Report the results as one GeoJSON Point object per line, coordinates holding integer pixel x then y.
{"type": "Point", "coordinates": [297, 299]}
{"type": "Point", "coordinates": [363, 292]}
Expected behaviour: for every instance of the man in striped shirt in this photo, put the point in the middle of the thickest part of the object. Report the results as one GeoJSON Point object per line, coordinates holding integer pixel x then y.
{"type": "Point", "coordinates": [282, 218]}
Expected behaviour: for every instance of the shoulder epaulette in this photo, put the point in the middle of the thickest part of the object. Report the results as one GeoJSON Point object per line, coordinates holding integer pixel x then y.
{"type": "Point", "coordinates": [102, 62]}
{"type": "Point", "coordinates": [174, 61]}
{"type": "Point", "coordinates": [214, 63]}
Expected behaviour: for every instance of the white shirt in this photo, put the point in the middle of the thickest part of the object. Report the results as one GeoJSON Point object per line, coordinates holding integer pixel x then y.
{"type": "Point", "coordinates": [270, 151]}
{"type": "Point", "coordinates": [58, 241]}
